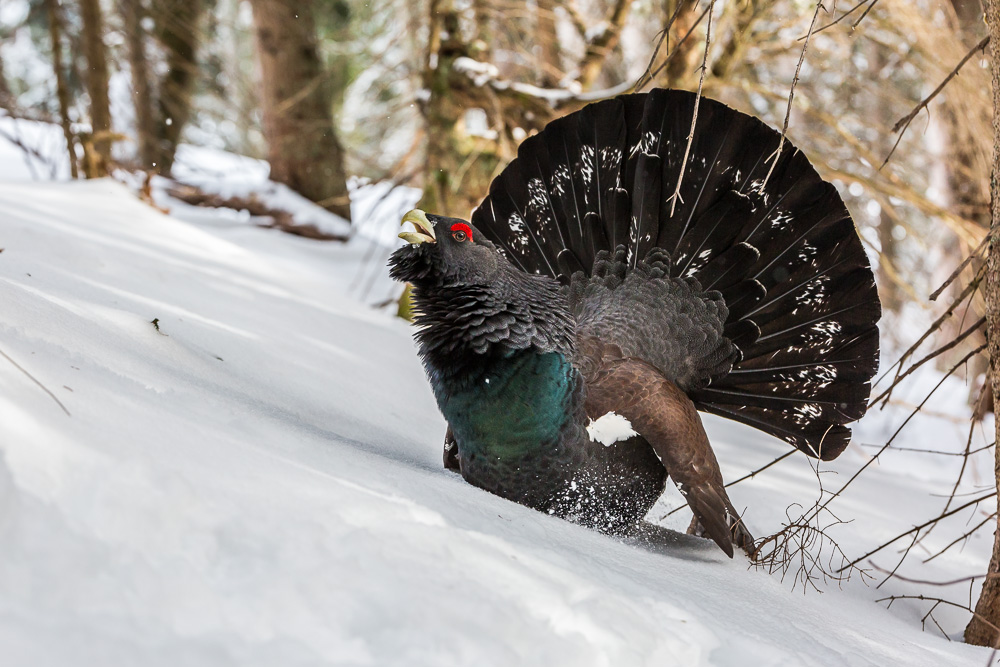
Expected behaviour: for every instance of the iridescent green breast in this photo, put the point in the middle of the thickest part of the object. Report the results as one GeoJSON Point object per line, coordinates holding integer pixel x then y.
{"type": "Point", "coordinates": [512, 406]}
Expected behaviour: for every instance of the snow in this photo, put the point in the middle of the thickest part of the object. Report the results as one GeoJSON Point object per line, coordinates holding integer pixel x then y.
{"type": "Point", "coordinates": [230, 175]}
{"type": "Point", "coordinates": [596, 31]}
{"type": "Point", "coordinates": [30, 150]}
{"type": "Point", "coordinates": [610, 428]}
{"type": "Point", "coordinates": [478, 71]}
{"type": "Point", "coordinates": [484, 73]}
{"type": "Point", "coordinates": [259, 482]}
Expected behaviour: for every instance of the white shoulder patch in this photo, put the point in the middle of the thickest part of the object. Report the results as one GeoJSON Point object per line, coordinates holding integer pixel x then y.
{"type": "Point", "coordinates": [610, 428]}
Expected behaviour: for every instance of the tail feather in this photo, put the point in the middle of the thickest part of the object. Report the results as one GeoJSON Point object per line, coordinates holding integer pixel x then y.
{"type": "Point", "coordinates": [600, 127]}
{"type": "Point", "coordinates": [801, 298]}
{"type": "Point", "coordinates": [699, 254]}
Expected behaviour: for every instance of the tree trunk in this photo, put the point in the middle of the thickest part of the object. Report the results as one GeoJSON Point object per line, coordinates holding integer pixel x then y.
{"type": "Point", "coordinates": [99, 148]}
{"type": "Point", "coordinates": [7, 100]}
{"type": "Point", "coordinates": [62, 90]}
{"type": "Point", "coordinates": [969, 13]}
{"type": "Point", "coordinates": [603, 43]}
{"type": "Point", "coordinates": [303, 149]}
{"type": "Point", "coordinates": [888, 289]}
{"type": "Point", "coordinates": [681, 71]}
{"type": "Point", "coordinates": [968, 193]}
{"type": "Point", "coordinates": [178, 30]}
{"type": "Point", "coordinates": [482, 14]}
{"type": "Point", "coordinates": [459, 166]}
{"type": "Point", "coordinates": [734, 44]}
{"type": "Point", "coordinates": [981, 629]}
{"type": "Point", "coordinates": [142, 96]}
{"type": "Point", "coordinates": [547, 43]}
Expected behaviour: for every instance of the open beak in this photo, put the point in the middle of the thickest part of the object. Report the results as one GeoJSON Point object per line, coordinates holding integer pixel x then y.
{"type": "Point", "coordinates": [425, 230]}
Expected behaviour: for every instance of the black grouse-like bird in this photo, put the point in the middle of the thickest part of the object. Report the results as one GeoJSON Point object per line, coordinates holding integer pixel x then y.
{"type": "Point", "coordinates": [572, 330]}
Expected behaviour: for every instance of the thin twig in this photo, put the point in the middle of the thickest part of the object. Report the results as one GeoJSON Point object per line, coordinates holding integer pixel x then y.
{"type": "Point", "coordinates": [935, 452]}
{"type": "Point", "coordinates": [961, 267]}
{"type": "Point", "coordinates": [899, 564]}
{"type": "Point", "coordinates": [965, 459]}
{"type": "Point", "coordinates": [988, 575]}
{"type": "Point", "coordinates": [893, 598]}
{"type": "Point", "coordinates": [966, 292]}
{"type": "Point", "coordinates": [804, 540]}
{"type": "Point", "coordinates": [664, 34]}
{"type": "Point", "coordinates": [974, 501]}
{"type": "Point", "coordinates": [791, 96]}
{"type": "Point", "coordinates": [749, 475]}
{"type": "Point", "coordinates": [939, 351]}
{"type": "Point", "coordinates": [905, 121]}
{"type": "Point", "coordinates": [837, 20]}
{"type": "Point", "coordinates": [28, 153]}
{"type": "Point", "coordinates": [820, 507]}
{"type": "Point", "coordinates": [964, 536]}
{"type": "Point", "coordinates": [673, 52]}
{"type": "Point", "coordinates": [866, 12]}
{"type": "Point", "coordinates": [35, 380]}
{"type": "Point", "coordinates": [763, 468]}
{"type": "Point", "coordinates": [694, 117]}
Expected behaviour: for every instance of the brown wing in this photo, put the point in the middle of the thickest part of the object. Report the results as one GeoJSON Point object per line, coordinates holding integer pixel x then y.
{"type": "Point", "coordinates": [664, 415]}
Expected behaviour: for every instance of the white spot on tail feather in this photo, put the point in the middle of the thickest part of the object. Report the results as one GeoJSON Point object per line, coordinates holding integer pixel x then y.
{"type": "Point", "coordinates": [610, 428]}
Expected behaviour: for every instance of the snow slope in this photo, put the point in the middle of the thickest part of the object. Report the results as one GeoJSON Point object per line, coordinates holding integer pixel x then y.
{"type": "Point", "coordinates": [259, 483]}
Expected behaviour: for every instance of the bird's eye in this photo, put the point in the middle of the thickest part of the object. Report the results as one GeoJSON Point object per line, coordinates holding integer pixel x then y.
{"type": "Point", "coordinates": [461, 232]}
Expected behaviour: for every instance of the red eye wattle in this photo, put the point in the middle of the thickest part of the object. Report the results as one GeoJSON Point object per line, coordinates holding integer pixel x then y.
{"type": "Point", "coordinates": [461, 232]}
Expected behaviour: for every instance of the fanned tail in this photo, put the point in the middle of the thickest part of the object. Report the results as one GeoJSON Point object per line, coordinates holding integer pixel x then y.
{"type": "Point", "coordinates": [785, 256]}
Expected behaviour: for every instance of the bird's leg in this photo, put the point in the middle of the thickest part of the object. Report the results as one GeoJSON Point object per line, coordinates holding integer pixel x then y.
{"type": "Point", "coordinates": [695, 528]}
{"type": "Point", "coordinates": [451, 452]}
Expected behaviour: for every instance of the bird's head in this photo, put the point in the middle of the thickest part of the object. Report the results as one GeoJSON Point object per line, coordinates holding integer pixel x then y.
{"type": "Point", "coordinates": [444, 252]}
{"type": "Point", "coordinates": [468, 298]}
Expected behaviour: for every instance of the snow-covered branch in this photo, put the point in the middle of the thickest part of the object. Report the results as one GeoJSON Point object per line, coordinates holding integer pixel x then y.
{"type": "Point", "coordinates": [485, 74]}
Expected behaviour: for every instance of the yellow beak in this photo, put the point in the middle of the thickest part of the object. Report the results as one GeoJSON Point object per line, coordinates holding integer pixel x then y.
{"type": "Point", "coordinates": [425, 230]}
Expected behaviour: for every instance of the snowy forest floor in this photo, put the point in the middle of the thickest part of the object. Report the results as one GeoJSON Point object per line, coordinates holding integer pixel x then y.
{"type": "Point", "coordinates": [257, 480]}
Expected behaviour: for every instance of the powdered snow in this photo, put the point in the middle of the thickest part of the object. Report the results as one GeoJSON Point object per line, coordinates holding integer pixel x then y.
{"type": "Point", "coordinates": [256, 479]}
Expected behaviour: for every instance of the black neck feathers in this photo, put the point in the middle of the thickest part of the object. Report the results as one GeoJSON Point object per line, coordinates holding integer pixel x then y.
{"type": "Point", "coordinates": [514, 312]}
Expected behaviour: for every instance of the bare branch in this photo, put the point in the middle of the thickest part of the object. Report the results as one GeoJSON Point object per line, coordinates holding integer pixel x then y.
{"type": "Point", "coordinates": [764, 467]}
{"type": "Point", "coordinates": [906, 552]}
{"type": "Point", "coordinates": [838, 19]}
{"type": "Point", "coordinates": [806, 543]}
{"type": "Point", "coordinates": [967, 291]}
{"type": "Point", "coordinates": [905, 121]}
{"type": "Point", "coordinates": [280, 219]}
{"type": "Point", "coordinates": [576, 18]}
{"type": "Point", "coordinates": [893, 598]}
{"type": "Point", "coordinates": [791, 96]}
{"type": "Point", "coordinates": [941, 350]}
{"type": "Point", "coordinates": [666, 62]}
{"type": "Point", "coordinates": [821, 507]}
{"type": "Point", "coordinates": [961, 267]}
{"type": "Point", "coordinates": [694, 117]}
{"type": "Point", "coordinates": [866, 12]}
{"type": "Point", "coordinates": [937, 583]}
{"type": "Point", "coordinates": [965, 460]}
{"type": "Point", "coordinates": [35, 380]}
{"type": "Point", "coordinates": [664, 34]}
{"type": "Point", "coordinates": [974, 501]}
{"type": "Point", "coordinates": [963, 536]}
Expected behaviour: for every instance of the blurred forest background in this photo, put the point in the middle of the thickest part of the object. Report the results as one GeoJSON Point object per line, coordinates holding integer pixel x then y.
{"type": "Point", "coordinates": [437, 95]}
